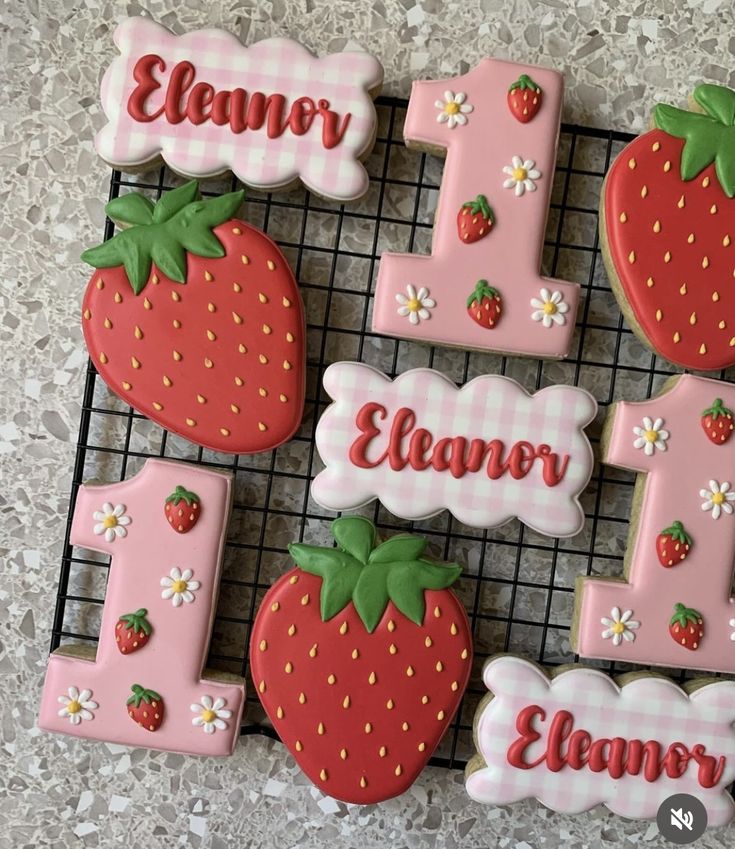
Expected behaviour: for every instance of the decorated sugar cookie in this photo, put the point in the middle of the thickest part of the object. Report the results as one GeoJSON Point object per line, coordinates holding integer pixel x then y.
{"type": "Point", "coordinates": [144, 684]}
{"type": "Point", "coordinates": [487, 451]}
{"type": "Point", "coordinates": [574, 738]}
{"type": "Point", "coordinates": [194, 318]}
{"type": "Point", "coordinates": [498, 126]}
{"type": "Point", "coordinates": [673, 605]}
{"type": "Point", "coordinates": [667, 225]}
{"type": "Point", "coordinates": [272, 113]}
{"type": "Point", "coordinates": [360, 656]}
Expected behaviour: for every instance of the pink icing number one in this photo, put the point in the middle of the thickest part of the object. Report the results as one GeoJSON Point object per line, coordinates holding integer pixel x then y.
{"type": "Point", "coordinates": [481, 287]}
{"type": "Point", "coordinates": [165, 530]}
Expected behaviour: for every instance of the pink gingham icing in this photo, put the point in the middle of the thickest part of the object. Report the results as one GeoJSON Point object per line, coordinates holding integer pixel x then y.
{"type": "Point", "coordinates": [488, 407]}
{"type": "Point", "coordinates": [509, 256]}
{"type": "Point", "coordinates": [171, 662]}
{"type": "Point", "coordinates": [646, 708]}
{"type": "Point", "coordinates": [276, 65]}
{"type": "Point", "coordinates": [671, 481]}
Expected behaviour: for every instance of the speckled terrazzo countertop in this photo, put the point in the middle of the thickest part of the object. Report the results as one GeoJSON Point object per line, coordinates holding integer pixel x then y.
{"type": "Point", "coordinates": [54, 791]}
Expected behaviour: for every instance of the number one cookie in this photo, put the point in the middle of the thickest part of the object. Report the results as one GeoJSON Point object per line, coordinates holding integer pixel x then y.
{"type": "Point", "coordinates": [144, 686]}
{"type": "Point", "coordinates": [674, 607]}
{"type": "Point", "coordinates": [481, 287]}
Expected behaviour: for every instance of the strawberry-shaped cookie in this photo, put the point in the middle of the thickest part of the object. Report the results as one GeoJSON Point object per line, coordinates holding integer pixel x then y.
{"type": "Point", "coordinates": [132, 631]}
{"type": "Point", "coordinates": [193, 317]}
{"type": "Point", "coordinates": [667, 228]}
{"type": "Point", "coordinates": [145, 707]}
{"type": "Point", "coordinates": [484, 305]}
{"type": "Point", "coordinates": [360, 657]}
{"type": "Point", "coordinates": [524, 98]}
{"type": "Point", "coordinates": [182, 509]}
{"type": "Point", "coordinates": [673, 544]}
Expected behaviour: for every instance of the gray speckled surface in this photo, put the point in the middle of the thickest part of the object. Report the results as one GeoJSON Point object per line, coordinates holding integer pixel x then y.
{"type": "Point", "coordinates": [56, 791]}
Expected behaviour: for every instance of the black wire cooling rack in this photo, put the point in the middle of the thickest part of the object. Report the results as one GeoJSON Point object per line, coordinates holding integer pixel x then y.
{"type": "Point", "coordinates": [517, 585]}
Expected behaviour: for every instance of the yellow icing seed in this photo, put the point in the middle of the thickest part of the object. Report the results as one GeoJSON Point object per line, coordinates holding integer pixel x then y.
{"type": "Point", "coordinates": [103, 358]}
{"type": "Point", "coordinates": [363, 782]}
{"type": "Point", "coordinates": [722, 325]}
{"type": "Point", "coordinates": [100, 284]}
{"type": "Point", "coordinates": [331, 679]}
{"type": "Point", "coordinates": [262, 427]}
{"type": "Point", "coordinates": [693, 318]}
{"type": "Point", "coordinates": [631, 257]}
{"type": "Point", "coordinates": [191, 422]}
{"type": "Point", "coordinates": [208, 277]}
{"type": "Point", "coordinates": [239, 381]}
{"type": "Point", "coordinates": [148, 305]}
{"type": "Point", "coordinates": [201, 399]}
{"type": "Point", "coordinates": [211, 307]}
{"type": "Point", "coordinates": [726, 242]}
{"type": "Point", "coordinates": [667, 166]}
{"type": "Point", "coordinates": [157, 406]}
{"type": "Point", "coordinates": [399, 770]}
{"type": "Point", "coordinates": [87, 314]}
{"type": "Point", "coordinates": [320, 728]}
{"type": "Point", "coordinates": [289, 337]}
{"type": "Point", "coordinates": [236, 318]}
{"type": "Point", "coordinates": [286, 365]}
{"type": "Point", "coordinates": [702, 348]}
{"type": "Point", "coordinates": [262, 298]}
{"type": "Point", "coordinates": [382, 751]}
{"type": "Point", "coordinates": [404, 726]}
{"type": "Point", "coordinates": [683, 289]}
{"type": "Point", "coordinates": [705, 262]}
{"type": "Point", "coordinates": [288, 668]}
{"type": "Point", "coordinates": [242, 349]}
{"type": "Point", "coordinates": [305, 599]}
{"type": "Point", "coordinates": [263, 359]}
{"type": "Point", "coordinates": [409, 671]}
{"type": "Point", "coordinates": [368, 727]}
{"type": "Point", "coordinates": [464, 654]}
{"type": "Point", "coordinates": [245, 260]}
{"type": "Point", "coordinates": [732, 342]}
{"type": "Point", "coordinates": [667, 256]}
{"type": "Point", "coordinates": [657, 226]}
{"type": "Point", "coordinates": [107, 323]}
{"type": "Point", "coordinates": [705, 182]}
{"type": "Point", "coordinates": [236, 287]}
{"type": "Point", "coordinates": [118, 298]}
{"type": "Point", "coordinates": [644, 191]}
{"type": "Point", "coordinates": [659, 315]}
{"type": "Point", "coordinates": [234, 408]}
{"type": "Point", "coordinates": [135, 362]}
{"type": "Point", "coordinates": [439, 666]}
{"type": "Point", "coordinates": [177, 356]}
{"type": "Point", "coordinates": [453, 629]}
{"type": "Point", "coordinates": [343, 628]}
{"type": "Point", "coordinates": [343, 754]}
{"type": "Point", "coordinates": [437, 612]}
{"type": "Point", "coordinates": [656, 146]}
{"type": "Point", "coordinates": [313, 650]}
{"type": "Point", "coordinates": [211, 335]}
{"type": "Point", "coordinates": [355, 654]}
{"type": "Point", "coordinates": [346, 702]}
{"type": "Point", "coordinates": [440, 715]}
{"type": "Point", "coordinates": [715, 296]}
{"type": "Point", "coordinates": [392, 649]}
{"type": "Point", "coordinates": [282, 398]}
{"type": "Point", "coordinates": [208, 363]}
{"type": "Point", "coordinates": [690, 238]}
{"type": "Point", "coordinates": [138, 333]}
{"type": "Point", "coordinates": [261, 687]}
{"type": "Point", "coordinates": [271, 265]}
{"type": "Point", "coordinates": [372, 678]}
{"type": "Point", "coordinates": [263, 392]}
{"type": "Point", "coordinates": [263, 645]}
{"type": "Point", "coordinates": [299, 746]}
{"type": "Point", "coordinates": [286, 303]}
{"type": "Point", "coordinates": [126, 385]}
{"type": "Point", "coordinates": [454, 686]}
{"type": "Point", "coordinates": [279, 712]}
{"type": "Point", "coordinates": [623, 218]}
{"type": "Point", "coordinates": [631, 163]}
{"type": "Point", "coordinates": [713, 209]}
{"type": "Point", "coordinates": [154, 279]}
{"type": "Point", "coordinates": [677, 337]}
{"type": "Point", "coordinates": [275, 607]}
{"type": "Point", "coordinates": [428, 642]}
{"type": "Point", "coordinates": [323, 775]}
{"type": "Point", "coordinates": [422, 747]}
{"type": "Point", "coordinates": [681, 203]}
{"type": "Point", "coordinates": [175, 296]}
{"type": "Point", "coordinates": [267, 330]}
{"type": "Point", "coordinates": [424, 700]}
{"type": "Point", "coordinates": [224, 431]}
{"type": "Point", "coordinates": [237, 231]}
{"type": "Point", "coordinates": [302, 698]}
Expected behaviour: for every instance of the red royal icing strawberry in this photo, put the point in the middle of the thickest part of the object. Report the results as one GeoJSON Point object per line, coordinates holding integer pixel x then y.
{"type": "Point", "coordinates": [524, 98]}
{"type": "Point", "coordinates": [182, 509]}
{"type": "Point", "coordinates": [717, 422]}
{"type": "Point", "coordinates": [132, 631]}
{"type": "Point", "coordinates": [474, 220]}
{"type": "Point", "coordinates": [686, 627]}
{"type": "Point", "coordinates": [193, 317]}
{"type": "Point", "coordinates": [145, 707]}
{"type": "Point", "coordinates": [360, 657]}
{"type": "Point", "coordinates": [484, 305]}
{"type": "Point", "coordinates": [668, 207]}
{"type": "Point", "coordinates": [673, 544]}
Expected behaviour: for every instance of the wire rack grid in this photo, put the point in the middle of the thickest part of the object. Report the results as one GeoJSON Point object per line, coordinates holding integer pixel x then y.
{"type": "Point", "coordinates": [517, 585]}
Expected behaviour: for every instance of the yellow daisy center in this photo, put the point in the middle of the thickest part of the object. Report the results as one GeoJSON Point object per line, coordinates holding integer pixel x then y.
{"type": "Point", "coordinates": [178, 586]}
{"type": "Point", "coordinates": [651, 435]}
{"type": "Point", "coordinates": [519, 174]}
{"type": "Point", "coordinates": [209, 715]}
{"type": "Point", "coordinates": [110, 521]}
{"type": "Point", "coordinates": [413, 304]}
{"type": "Point", "coordinates": [451, 108]}
{"type": "Point", "coordinates": [73, 706]}
{"type": "Point", "coordinates": [718, 497]}
{"type": "Point", "coordinates": [618, 628]}
{"type": "Point", "coordinates": [549, 308]}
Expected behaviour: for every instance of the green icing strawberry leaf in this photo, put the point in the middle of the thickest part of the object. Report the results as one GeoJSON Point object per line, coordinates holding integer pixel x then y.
{"type": "Point", "coordinates": [369, 575]}
{"type": "Point", "coordinates": [708, 138]}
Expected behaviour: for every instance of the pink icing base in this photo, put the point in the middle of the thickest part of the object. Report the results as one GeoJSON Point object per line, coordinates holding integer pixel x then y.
{"type": "Point", "coordinates": [171, 663]}
{"type": "Point", "coordinates": [672, 485]}
{"type": "Point", "coordinates": [509, 256]}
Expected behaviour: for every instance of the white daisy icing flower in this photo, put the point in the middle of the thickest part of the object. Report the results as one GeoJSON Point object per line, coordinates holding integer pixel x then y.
{"type": "Point", "coordinates": [77, 705]}
{"type": "Point", "coordinates": [210, 714]}
{"type": "Point", "coordinates": [521, 174]}
{"type": "Point", "coordinates": [717, 498]}
{"type": "Point", "coordinates": [415, 305]}
{"type": "Point", "coordinates": [111, 521]}
{"type": "Point", "coordinates": [179, 587]}
{"type": "Point", "coordinates": [549, 308]}
{"type": "Point", "coordinates": [619, 626]}
{"type": "Point", "coordinates": [650, 436]}
{"type": "Point", "coordinates": [732, 625]}
{"type": "Point", "coordinates": [453, 110]}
